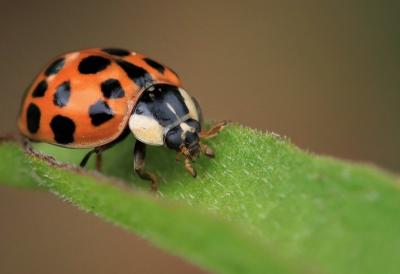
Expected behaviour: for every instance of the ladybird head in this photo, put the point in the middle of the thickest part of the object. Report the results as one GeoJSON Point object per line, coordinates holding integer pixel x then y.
{"type": "Point", "coordinates": [185, 138]}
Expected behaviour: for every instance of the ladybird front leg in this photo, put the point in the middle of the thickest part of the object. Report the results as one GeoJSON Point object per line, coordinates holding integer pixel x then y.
{"type": "Point", "coordinates": [188, 159]}
{"type": "Point", "coordinates": [178, 159]}
{"type": "Point", "coordinates": [207, 151]}
{"type": "Point", "coordinates": [214, 130]}
{"type": "Point", "coordinates": [189, 167]}
{"type": "Point", "coordinates": [139, 156]}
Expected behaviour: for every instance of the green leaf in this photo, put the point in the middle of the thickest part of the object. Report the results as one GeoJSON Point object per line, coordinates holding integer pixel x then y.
{"type": "Point", "coordinates": [263, 206]}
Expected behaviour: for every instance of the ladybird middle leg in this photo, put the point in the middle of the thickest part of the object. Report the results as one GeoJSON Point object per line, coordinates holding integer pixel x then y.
{"type": "Point", "coordinates": [100, 149]}
{"type": "Point", "coordinates": [99, 158]}
{"type": "Point", "coordinates": [139, 156]}
{"type": "Point", "coordinates": [99, 161]}
{"type": "Point", "coordinates": [87, 156]}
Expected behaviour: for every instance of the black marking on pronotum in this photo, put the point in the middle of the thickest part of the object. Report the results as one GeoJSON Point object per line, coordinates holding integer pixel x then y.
{"type": "Point", "coordinates": [93, 64]}
{"type": "Point", "coordinates": [157, 66]}
{"type": "Point", "coordinates": [55, 67]}
{"type": "Point", "coordinates": [40, 89]}
{"type": "Point", "coordinates": [33, 118]}
{"type": "Point", "coordinates": [116, 52]}
{"type": "Point", "coordinates": [194, 124]}
{"type": "Point", "coordinates": [62, 94]}
{"type": "Point", "coordinates": [112, 89]}
{"type": "Point", "coordinates": [158, 104]}
{"type": "Point", "coordinates": [63, 129]}
{"type": "Point", "coordinates": [137, 74]}
{"type": "Point", "coordinates": [100, 113]}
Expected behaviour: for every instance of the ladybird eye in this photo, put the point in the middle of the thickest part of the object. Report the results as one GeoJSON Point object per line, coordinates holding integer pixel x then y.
{"type": "Point", "coordinates": [173, 139]}
{"type": "Point", "coordinates": [194, 124]}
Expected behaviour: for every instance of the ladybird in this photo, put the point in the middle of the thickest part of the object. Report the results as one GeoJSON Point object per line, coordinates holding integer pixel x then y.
{"type": "Point", "coordinates": [94, 98]}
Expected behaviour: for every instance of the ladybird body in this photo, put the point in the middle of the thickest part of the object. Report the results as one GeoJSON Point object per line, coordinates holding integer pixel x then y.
{"type": "Point", "coordinates": [84, 99]}
{"type": "Point", "coordinates": [92, 98]}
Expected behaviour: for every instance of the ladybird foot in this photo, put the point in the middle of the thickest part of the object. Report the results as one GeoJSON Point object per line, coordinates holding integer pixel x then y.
{"type": "Point", "coordinates": [154, 187]}
{"type": "Point", "coordinates": [207, 151]}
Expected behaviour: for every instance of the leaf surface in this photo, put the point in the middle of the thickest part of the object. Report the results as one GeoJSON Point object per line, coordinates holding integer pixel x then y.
{"type": "Point", "coordinates": [262, 206]}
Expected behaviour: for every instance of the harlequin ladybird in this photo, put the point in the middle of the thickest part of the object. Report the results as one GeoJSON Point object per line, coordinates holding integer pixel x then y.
{"type": "Point", "coordinates": [93, 98]}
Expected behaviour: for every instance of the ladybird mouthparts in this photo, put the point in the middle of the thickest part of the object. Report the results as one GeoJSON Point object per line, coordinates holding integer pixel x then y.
{"type": "Point", "coordinates": [194, 150]}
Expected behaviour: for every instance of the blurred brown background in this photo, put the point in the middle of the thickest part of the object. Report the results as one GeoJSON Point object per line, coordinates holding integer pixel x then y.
{"type": "Point", "coordinates": [326, 75]}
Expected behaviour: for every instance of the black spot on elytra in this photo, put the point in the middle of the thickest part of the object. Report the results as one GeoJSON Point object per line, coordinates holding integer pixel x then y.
{"type": "Point", "coordinates": [137, 74]}
{"type": "Point", "coordinates": [40, 89]}
{"type": "Point", "coordinates": [100, 113]}
{"type": "Point", "coordinates": [62, 94]}
{"type": "Point", "coordinates": [93, 64]}
{"type": "Point", "coordinates": [63, 129]}
{"type": "Point", "coordinates": [55, 67]}
{"type": "Point", "coordinates": [112, 89]}
{"type": "Point", "coordinates": [157, 66]}
{"type": "Point", "coordinates": [33, 118]}
{"type": "Point", "coordinates": [116, 52]}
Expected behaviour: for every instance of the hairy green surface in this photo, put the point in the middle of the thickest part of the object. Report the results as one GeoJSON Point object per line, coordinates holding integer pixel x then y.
{"type": "Point", "coordinates": [263, 206]}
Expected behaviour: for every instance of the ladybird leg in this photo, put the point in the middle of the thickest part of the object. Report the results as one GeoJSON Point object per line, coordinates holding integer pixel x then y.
{"type": "Point", "coordinates": [189, 168]}
{"type": "Point", "coordinates": [99, 161]}
{"type": "Point", "coordinates": [178, 159]}
{"type": "Point", "coordinates": [214, 130]}
{"type": "Point", "coordinates": [139, 156]}
{"type": "Point", "coordinates": [99, 150]}
{"type": "Point", "coordinates": [87, 156]}
{"type": "Point", "coordinates": [207, 151]}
